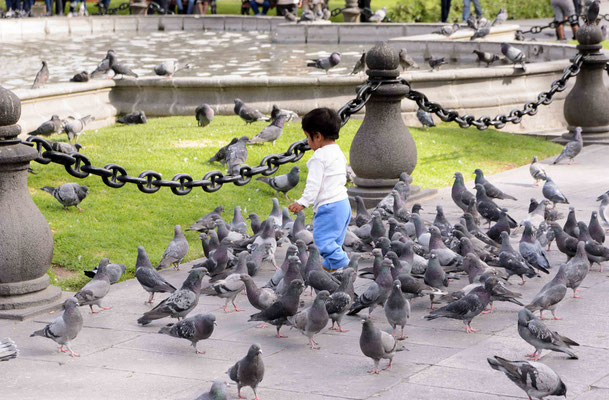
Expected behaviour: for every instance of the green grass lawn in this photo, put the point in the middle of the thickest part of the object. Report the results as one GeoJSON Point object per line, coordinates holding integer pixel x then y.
{"type": "Point", "coordinates": [116, 221]}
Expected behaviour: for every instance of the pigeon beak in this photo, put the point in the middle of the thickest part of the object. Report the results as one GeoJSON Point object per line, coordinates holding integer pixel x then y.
{"type": "Point", "coordinates": [215, 323]}
{"type": "Point", "coordinates": [260, 351]}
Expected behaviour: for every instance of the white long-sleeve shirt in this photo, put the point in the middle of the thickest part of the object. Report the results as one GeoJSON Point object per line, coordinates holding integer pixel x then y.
{"type": "Point", "coordinates": [326, 179]}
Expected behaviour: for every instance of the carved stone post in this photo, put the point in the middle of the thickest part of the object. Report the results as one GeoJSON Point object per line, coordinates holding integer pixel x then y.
{"type": "Point", "coordinates": [351, 12]}
{"type": "Point", "coordinates": [26, 242]}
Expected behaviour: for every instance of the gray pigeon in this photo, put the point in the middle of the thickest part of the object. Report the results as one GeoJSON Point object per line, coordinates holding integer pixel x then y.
{"type": "Point", "coordinates": [459, 193]}
{"type": "Point", "coordinates": [74, 127]}
{"type": "Point", "coordinates": [41, 77]}
{"type": "Point", "coordinates": [267, 237]}
{"type": "Point", "coordinates": [536, 379]}
{"type": "Point", "coordinates": [379, 15]}
{"type": "Point", "coordinates": [596, 230]}
{"type": "Point", "coordinates": [249, 371]}
{"type": "Point", "coordinates": [485, 57]}
{"type": "Point", "coordinates": [136, 117]}
{"type": "Point", "coordinates": [360, 65]}
{"type": "Point", "coordinates": [176, 250]}
{"type": "Point", "coordinates": [96, 289]}
{"type": "Point", "coordinates": [104, 66]}
{"type": "Point", "coordinates": [602, 209]}
{"type": "Point", "coordinates": [260, 298]}
{"type": "Point", "coordinates": [537, 334]}
{"type": "Point", "coordinates": [501, 17]}
{"type": "Point", "coordinates": [217, 391]}
{"type": "Point", "coordinates": [434, 276]}
{"type": "Point", "coordinates": [406, 61]}
{"type": "Point", "coordinates": [204, 115]}
{"type": "Point", "coordinates": [377, 292]}
{"type": "Point", "coordinates": [283, 183]}
{"type": "Point", "coordinates": [436, 62]}
{"type": "Point", "coordinates": [325, 63]}
{"type": "Point", "coordinates": [491, 190]}
{"type": "Point", "coordinates": [276, 112]}
{"type": "Point", "coordinates": [114, 271]}
{"type": "Point", "coordinates": [285, 306]}
{"type": "Point", "coordinates": [377, 345]}
{"type": "Point", "coordinates": [448, 30]}
{"type": "Point", "coordinates": [169, 68]}
{"type": "Point", "coordinates": [207, 222]}
{"type": "Point", "coordinates": [82, 76]}
{"type": "Point", "coordinates": [236, 155]}
{"type": "Point", "coordinates": [313, 319]}
{"type": "Point", "coordinates": [512, 261]}
{"type": "Point", "coordinates": [596, 252]}
{"type": "Point", "coordinates": [68, 194]}
{"type": "Point", "coordinates": [66, 148]}
{"type": "Point", "coordinates": [195, 328]}
{"type": "Point", "coordinates": [397, 308]}
{"type": "Point", "coordinates": [180, 302]}
{"type": "Point", "coordinates": [54, 125]}
{"type": "Point", "coordinates": [537, 171]}
{"type": "Point", "coordinates": [552, 192]}
{"type": "Point", "coordinates": [220, 155]}
{"type": "Point", "coordinates": [550, 294]}
{"type": "Point", "coordinates": [65, 328]}
{"type": "Point", "coordinates": [229, 287]}
{"type": "Point", "coordinates": [340, 301]}
{"type": "Point", "coordinates": [119, 69]}
{"type": "Point", "coordinates": [425, 118]}
{"type": "Point", "coordinates": [513, 54]}
{"type": "Point", "coordinates": [247, 113]}
{"type": "Point", "coordinates": [481, 32]}
{"type": "Point", "coordinates": [299, 230]}
{"type": "Point", "coordinates": [531, 250]}
{"type": "Point", "coordinates": [148, 277]}
{"type": "Point", "coordinates": [572, 148]}
{"type": "Point", "coordinates": [8, 350]}
{"type": "Point", "coordinates": [271, 133]}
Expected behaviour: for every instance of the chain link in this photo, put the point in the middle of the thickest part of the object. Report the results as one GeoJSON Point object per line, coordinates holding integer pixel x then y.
{"type": "Point", "coordinates": [573, 20]}
{"type": "Point", "coordinates": [499, 121]}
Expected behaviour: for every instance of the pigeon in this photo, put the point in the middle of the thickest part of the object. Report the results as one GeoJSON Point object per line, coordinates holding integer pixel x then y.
{"type": "Point", "coordinates": [379, 15]}
{"type": "Point", "coordinates": [41, 77]}
{"type": "Point", "coordinates": [313, 319]}
{"type": "Point", "coordinates": [377, 292]}
{"type": "Point", "coordinates": [491, 190]}
{"type": "Point", "coordinates": [195, 328]}
{"type": "Point", "coordinates": [362, 216]}
{"type": "Point", "coordinates": [119, 69]}
{"type": "Point", "coordinates": [512, 261]}
{"type": "Point", "coordinates": [54, 125]}
{"type": "Point", "coordinates": [360, 65]}
{"type": "Point", "coordinates": [176, 250]}
{"type": "Point", "coordinates": [271, 133]}
{"type": "Point", "coordinates": [596, 230]}
{"type": "Point", "coordinates": [501, 17]}
{"type": "Point", "coordinates": [248, 371]}
{"type": "Point", "coordinates": [114, 271]}
{"type": "Point", "coordinates": [513, 54]}
{"type": "Point", "coordinates": [570, 226]}
{"type": "Point", "coordinates": [325, 63]}
{"type": "Point", "coordinates": [292, 272]}
{"type": "Point", "coordinates": [289, 16]}
{"type": "Point", "coordinates": [537, 334]}
{"type": "Point", "coordinates": [536, 379]}
{"type": "Point", "coordinates": [169, 68]}
{"type": "Point", "coordinates": [82, 76]}
{"type": "Point", "coordinates": [596, 252]}
{"type": "Point", "coordinates": [481, 32]}
{"type": "Point", "coordinates": [180, 302]}
{"type": "Point", "coordinates": [74, 127]}
{"type": "Point", "coordinates": [104, 66]}
{"type": "Point", "coordinates": [448, 30]}
{"type": "Point", "coordinates": [276, 216]}
{"type": "Point", "coordinates": [285, 306]}
{"type": "Point", "coordinates": [397, 308]}
{"type": "Point", "coordinates": [502, 224]}
{"type": "Point", "coordinates": [459, 193]}
{"type": "Point", "coordinates": [466, 308]}
{"type": "Point", "coordinates": [436, 62]}
{"type": "Point", "coordinates": [299, 231]}
{"type": "Point", "coordinates": [65, 328]}
{"type": "Point", "coordinates": [267, 236]}
{"type": "Point", "coordinates": [148, 277]}
{"type": "Point", "coordinates": [550, 295]}
{"type": "Point", "coordinates": [204, 115]}
{"type": "Point", "coordinates": [566, 244]}
{"type": "Point", "coordinates": [216, 392]}
{"type": "Point", "coordinates": [577, 268]}
{"type": "Point", "coordinates": [551, 192]}
{"type": "Point", "coordinates": [444, 255]}
{"type": "Point", "coordinates": [487, 207]}
{"type": "Point", "coordinates": [425, 118]}
{"type": "Point", "coordinates": [572, 148]}
{"type": "Point", "coordinates": [307, 16]}
{"type": "Point", "coordinates": [96, 289]}
{"type": "Point", "coordinates": [602, 209]}
{"type": "Point", "coordinates": [340, 301]}
{"type": "Point", "coordinates": [260, 298]}
{"type": "Point", "coordinates": [247, 113]}
{"type": "Point", "coordinates": [434, 276]}
{"type": "Point", "coordinates": [592, 13]}
{"type": "Point", "coordinates": [220, 155]}
{"type": "Point", "coordinates": [485, 57]}
{"type": "Point", "coordinates": [377, 345]}
{"type": "Point", "coordinates": [136, 117]}
{"type": "Point", "coordinates": [406, 61]}
{"type": "Point", "coordinates": [229, 287]}
{"type": "Point", "coordinates": [537, 171]}
{"type": "Point", "coordinates": [207, 222]}
{"type": "Point", "coordinates": [8, 350]}
{"type": "Point", "coordinates": [531, 250]}
{"type": "Point", "coordinates": [236, 155]}
{"type": "Point", "coordinates": [283, 183]}
{"type": "Point", "coordinates": [276, 112]}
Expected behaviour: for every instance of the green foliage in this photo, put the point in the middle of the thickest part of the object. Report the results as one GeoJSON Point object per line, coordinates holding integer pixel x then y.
{"type": "Point", "coordinates": [116, 221]}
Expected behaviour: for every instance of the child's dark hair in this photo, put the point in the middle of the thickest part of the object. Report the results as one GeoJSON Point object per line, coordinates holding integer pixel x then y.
{"type": "Point", "coordinates": [323, 120]}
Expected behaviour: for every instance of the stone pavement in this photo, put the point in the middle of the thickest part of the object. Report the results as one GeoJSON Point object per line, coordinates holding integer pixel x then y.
{"type": "Point", "coordinates": [121, 360]}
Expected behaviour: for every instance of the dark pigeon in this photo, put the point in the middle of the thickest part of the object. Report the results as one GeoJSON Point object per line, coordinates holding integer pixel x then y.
{"type": "Point", "coordinates": [195, 328]}
{"type": "Point", "coordinates": [512, 261]}
{"type": "Point", "coordinates": [248, 371]}
{"type": "Point", "coordinates": [596, 230]}
{"type": "Point", "coordinates": [491, 190]}
{"type": "Point", "coordinates": [459, 193]}
{"type": "Point", "coordinates": [325, 63]}
{"type": "Point", "coordinates": [425, 118]}
{"type": "Point", "coordinates": [360, 65]}
{"type": "Point", "coordinates": [340, 301]}
{"type": "Point", "coordinates": [377, 292]}
{"type": "Point", "coordinates": [119, 69]}
{"type": "Point", "coordinates": [148, 277]}
{"type": "Point", "coordinates": [136, 117]}
{"type": "Point", "coordinates": [487, 207]}
{"type": "Point", "coordinates": [532, 251]}
{"type": "Point", "coordinates": [236, 155]}
{"type": "Point", "coordinates": [41, 77]}
{"type": "Point", "coordinates": [377, 345]}
{"type": "Point", "coordinates": [485, 57]}
{"type": "Point", "coordinates": [286, 306]}
{"type": "Point", "coordinates": [82, 76]}
{"type": "Point", "coordinates": [247, 113]}
{"type": "Point", "coordinates": [397, 308]}
{"type": "Point", "coordinates": [577, 268]}
{"type": "Point", "coordinates": [220, 155]}
{"type": "Point", "coordinates": [434, 276]}
{"type": "Point", "coordinates": [204, 115]}
{"type": "Point", "coordinates": [313, 319]}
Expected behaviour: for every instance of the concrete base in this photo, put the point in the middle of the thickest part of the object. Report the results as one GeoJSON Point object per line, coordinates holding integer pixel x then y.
{"type": "Point", "coordinates": [139, 8]}
{"type": "Point", "coordinates": [351, 15]}
{"type": "Point", "coordinates": [372, 196]}
{"type": "Point", "coordinates": [28, 305]}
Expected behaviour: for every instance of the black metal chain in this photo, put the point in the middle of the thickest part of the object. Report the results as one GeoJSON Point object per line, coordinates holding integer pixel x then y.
{"type": "Point", "coordinates": [499, 121]}
{"type": "Point", "coordinates": [573, 20]}
{"type": "Point", "coordinates": [102, 10]}
{"type": "Point", "coordinates": [115, 176]}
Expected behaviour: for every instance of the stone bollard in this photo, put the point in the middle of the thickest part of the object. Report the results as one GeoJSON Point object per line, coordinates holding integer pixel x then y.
{"type": "Point", "coordinates": [382, 148]}
{"type": "Point", "coordinates": [26, 242]}
{"type": "Point", "coordinates": [138, 7]}
{"type": "Point", "coordinates": [351, 12]}
{"type": "Point", "coordinates": [587, 105]}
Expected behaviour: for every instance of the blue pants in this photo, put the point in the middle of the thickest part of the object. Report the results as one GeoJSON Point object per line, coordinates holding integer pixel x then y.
{"type": "Point", "coordinates": [265, 7]}
{"type": "Point", "coordinates": [329, 228]}
{"type": "Point", "coordinates": [189, 8]}
{"type": "Point", "coordinates": [467, 7]}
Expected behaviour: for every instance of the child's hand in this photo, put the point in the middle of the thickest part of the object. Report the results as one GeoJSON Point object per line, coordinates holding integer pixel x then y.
{"type": "Point", "coordinates": [295, 208]}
